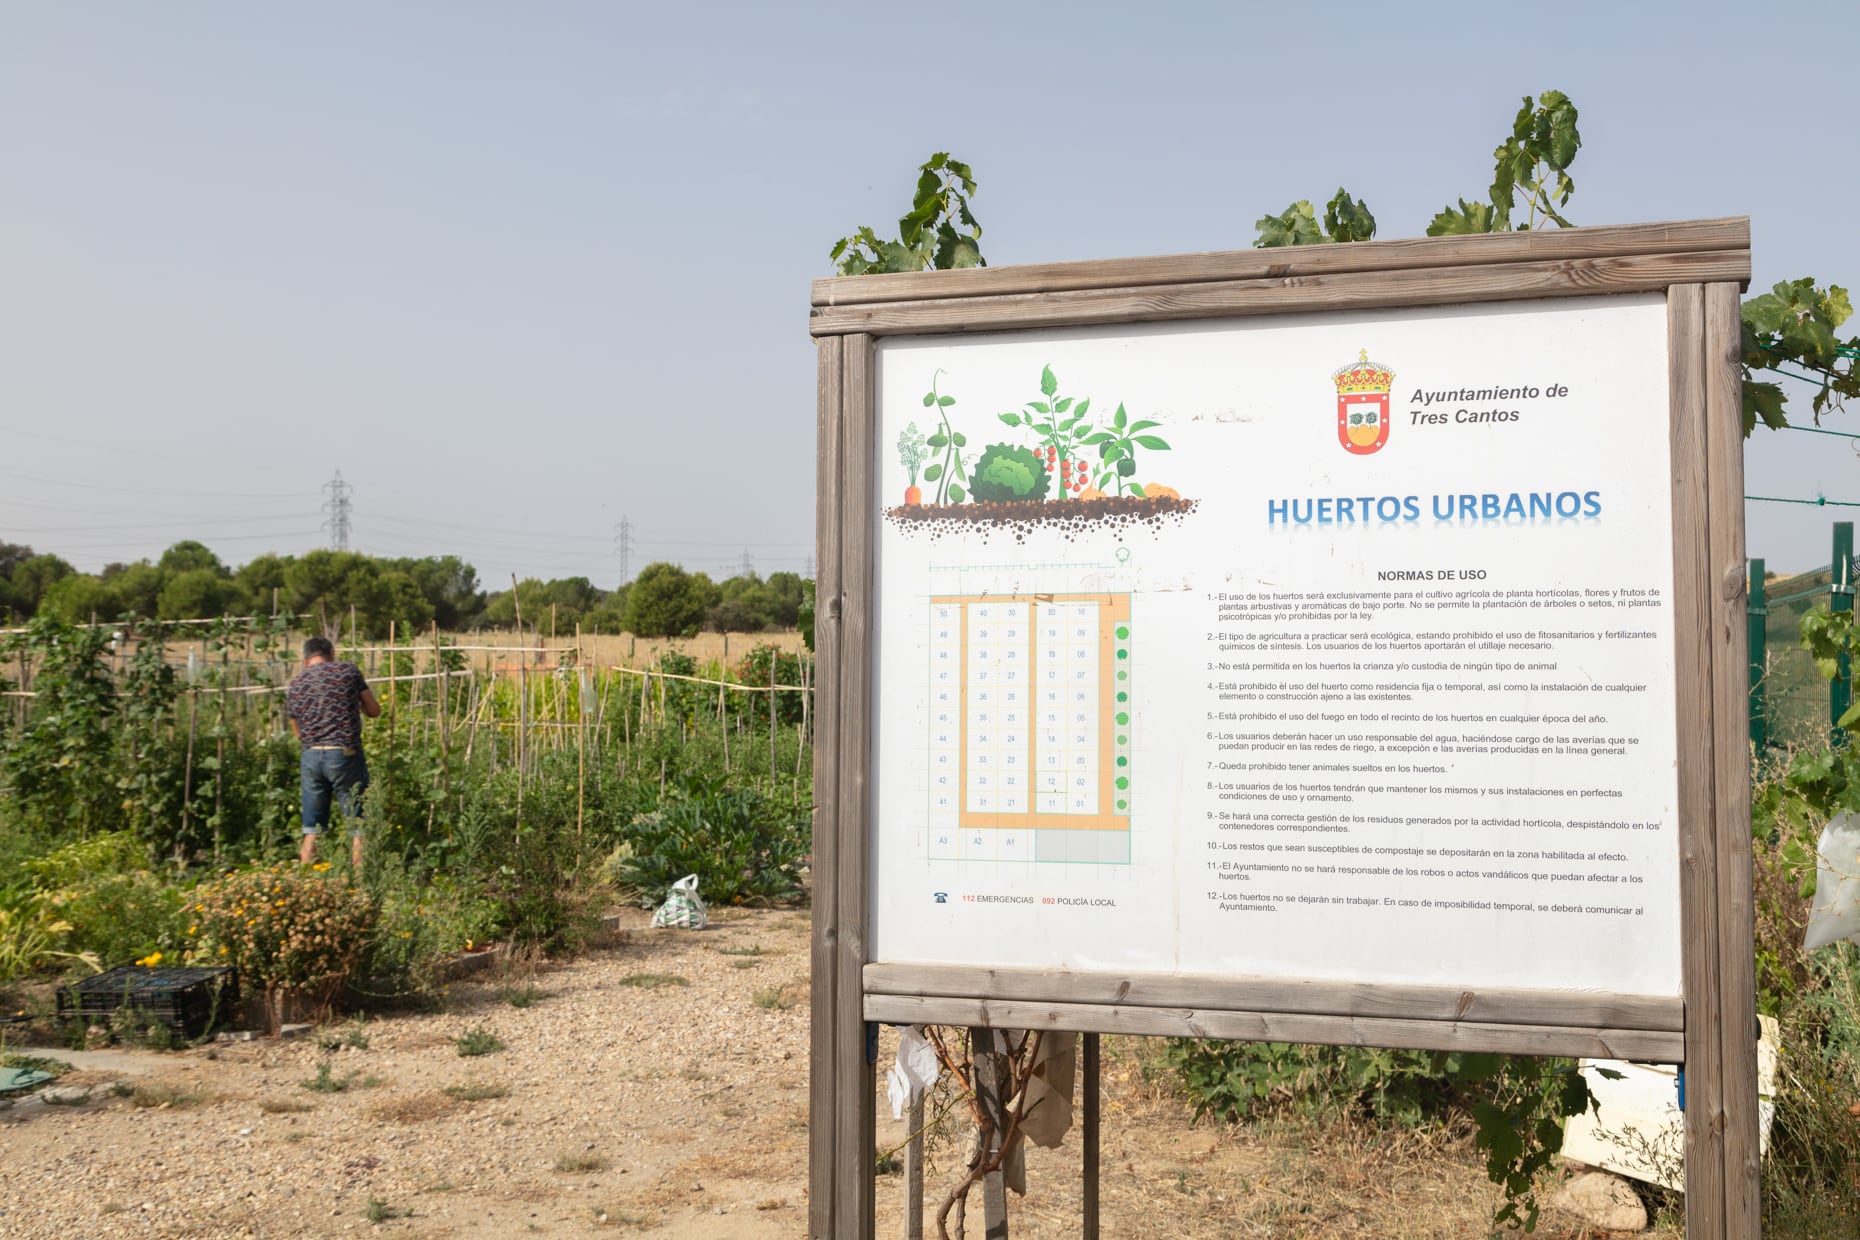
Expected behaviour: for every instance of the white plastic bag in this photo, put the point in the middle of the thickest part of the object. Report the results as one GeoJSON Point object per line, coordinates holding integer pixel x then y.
{"type": "Point", "coordinates": [683, 908]}
{"type": "Point", "coordinates": [1836, 914]}
{"type": "Point", "coordinates": [914, 1072]}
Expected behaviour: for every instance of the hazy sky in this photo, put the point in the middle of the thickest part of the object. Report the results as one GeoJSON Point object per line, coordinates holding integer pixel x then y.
{"type": "Point", "coordinates": [519, 271]}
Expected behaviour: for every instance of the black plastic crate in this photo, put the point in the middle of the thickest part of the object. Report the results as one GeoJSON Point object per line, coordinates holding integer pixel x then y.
{"type": "Point", "coordinates": [187, 1001]}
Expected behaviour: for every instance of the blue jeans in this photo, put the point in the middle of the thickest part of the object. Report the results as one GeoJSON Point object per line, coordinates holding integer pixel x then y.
{"type": "Point", "coordinates": [339, 771]}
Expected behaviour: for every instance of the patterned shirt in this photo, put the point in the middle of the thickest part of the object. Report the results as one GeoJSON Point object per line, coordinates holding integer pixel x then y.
{"type": "Point", "coordinates": [325, 700]}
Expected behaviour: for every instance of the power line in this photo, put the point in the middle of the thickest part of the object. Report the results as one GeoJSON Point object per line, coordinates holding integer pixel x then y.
{"type": "Point", "coordinates": [337, 506]}
{"type": "Point", "coordinates": [1820, 501]}
{"type": "Point", "coordinates": [747, 567]}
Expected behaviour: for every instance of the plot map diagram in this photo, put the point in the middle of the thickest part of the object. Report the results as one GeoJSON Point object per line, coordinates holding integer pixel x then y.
{"type": "Point", "coordinates": [1029, 727]}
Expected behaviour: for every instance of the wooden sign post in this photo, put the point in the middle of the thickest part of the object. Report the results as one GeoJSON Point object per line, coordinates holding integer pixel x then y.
{"type": "Point", "coordinates": [1341, 644]}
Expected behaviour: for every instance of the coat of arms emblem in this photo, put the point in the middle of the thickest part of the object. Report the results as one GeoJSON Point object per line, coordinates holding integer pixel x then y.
{"type": "Point", "coordinates": [1363, 405]}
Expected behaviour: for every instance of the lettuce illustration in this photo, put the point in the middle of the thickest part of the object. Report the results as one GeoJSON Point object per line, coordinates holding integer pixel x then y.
{"type": "Point", "coordinates": [1007, 473]}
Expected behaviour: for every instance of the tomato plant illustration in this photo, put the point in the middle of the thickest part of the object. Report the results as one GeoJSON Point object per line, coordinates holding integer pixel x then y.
{"type": "Point", "coordinates": [1060, 423]}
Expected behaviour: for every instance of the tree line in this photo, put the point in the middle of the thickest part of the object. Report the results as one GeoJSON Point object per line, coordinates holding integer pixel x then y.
{"type": "Point", "coordinates": [340, 589]}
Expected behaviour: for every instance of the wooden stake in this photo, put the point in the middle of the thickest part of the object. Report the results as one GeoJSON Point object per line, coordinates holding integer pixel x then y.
{"type": "Point", "coordinates": [523, 685]}
{"type": "Point", "coordinates": [914, 1170]}
{"type": "Point", "coordinates": [581, 736]}
{"type": "Point", "coordinates": [1089, 1066]}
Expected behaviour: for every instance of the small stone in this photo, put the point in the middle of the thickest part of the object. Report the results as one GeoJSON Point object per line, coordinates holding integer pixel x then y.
{"type": "Point", "coordinates": [245, 1132]}
{"type": "Point", "coordinates": [1605, 1201]}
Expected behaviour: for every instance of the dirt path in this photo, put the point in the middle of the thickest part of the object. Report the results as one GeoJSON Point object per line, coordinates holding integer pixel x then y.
{"type": "Point", "coordinates": [629, 1102]}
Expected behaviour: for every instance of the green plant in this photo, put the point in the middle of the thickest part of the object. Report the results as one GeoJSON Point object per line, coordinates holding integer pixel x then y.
{"type": "Point", "coordinates": [940, 231]}
{"type": "Point", "coordinates": [122, 917]}
{"type": "Point", "coordinates": [1008, 473]}
{"type": "Point", "coordinates": [912, 452]}
{"type": "Point", "coordinates": [478, 1040]}
{"type": "Point", "coordinates": [35, 1063]}
{"type": "Point", "coordinates": [379, 1211]}
{"type": "Point", "coordinates": [473, 1092]}
{"type": "Point", "coordinates": [1060, 423]}
{"type": "Point", "coordinates": [1117, 448]}
{"type": "Point", "coordinates": [286, 928]}
{"type": "Point", "coordinates": [326, 1082]}
{"type": "Point", "coordinates": [27, 938]}
{"type": "Point", "coordinates": [773, 998]}
{"type": "Point", "coordinates": [329, 1039]}
{"type": "Point", "coordinates": [520, 996]}
{"type": "Point", "coordinates": [1345, 219]}
{"type": "Point", "coordinates": [1534, 159]}
{"type": "Point", "coordinates": [744, 847]}
{"type": "Point", "coordinates": [949, 473]}
{"type": "Point", "coordinates": [1517, 1103]}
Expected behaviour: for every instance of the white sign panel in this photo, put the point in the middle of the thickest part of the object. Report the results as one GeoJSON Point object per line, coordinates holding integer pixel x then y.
{"type": "Point", "coordinates": [1332, 646]}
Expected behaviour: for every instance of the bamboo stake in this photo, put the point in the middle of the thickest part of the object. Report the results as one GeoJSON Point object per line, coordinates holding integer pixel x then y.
{"type": "Point", "coordinates": [445, 736]}
{"type": "Point", "coordinates": [187, 780]}
{"type": "Point", "coordinates": [771, 716]}
{"type": "Point", "coordinates": [723, 716]}
{"type": "Point", "coordinates": [516, 601]}
{"type": "Point", "coordinates": [581, 738]}
{"type": "Point", "coordinates": [393, 715]}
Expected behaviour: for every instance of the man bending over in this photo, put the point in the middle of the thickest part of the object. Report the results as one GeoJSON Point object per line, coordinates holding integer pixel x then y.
{"type": "Point", "coordinates": [325, 704]}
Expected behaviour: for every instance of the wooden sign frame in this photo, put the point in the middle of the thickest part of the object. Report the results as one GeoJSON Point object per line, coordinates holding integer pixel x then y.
{"type": "Point", "coordinates": [1701, 266]}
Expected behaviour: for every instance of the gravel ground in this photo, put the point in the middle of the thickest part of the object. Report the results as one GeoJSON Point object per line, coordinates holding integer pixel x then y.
{"type": "Point", "coordinates": [626, 1108]}
{"type": "Point", "coordinates": [682, 1107]}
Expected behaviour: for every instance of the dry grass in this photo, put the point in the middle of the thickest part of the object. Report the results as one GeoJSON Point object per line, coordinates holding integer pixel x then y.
{"type": "Point", "coordinates": [164, 1095]}
{"type": "Point", "coordinates": [415, 1109]}
{"type": "Point", "coordinates": [580, 1162]}
{"type": "Point", "coordinates": [283, 1106]}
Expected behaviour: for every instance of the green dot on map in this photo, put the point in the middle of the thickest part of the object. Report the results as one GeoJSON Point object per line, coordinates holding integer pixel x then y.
{"type": "Point", "coordinates": [1123, 654]}
{"type": "Point", "coordinates": [1123, 782]}
{"type": "Point", "coordinates": [1123, 675]}
{"type": "Point", "coordinates": [1122, 718]}
{"type": "Point", "coordinates": [1123, 761]}
{"type": "Point", "coordinates": [1123, 805]}
{"type": "Point", "coordinates": [1122, 696]}
{"type": "Point", "coordinates": [1123, 631]}
{"type": "Point", "coordinates": [1123, 740]}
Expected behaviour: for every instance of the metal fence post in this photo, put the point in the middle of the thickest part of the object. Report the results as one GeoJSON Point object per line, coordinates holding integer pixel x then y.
{"type": "Point", "coordinates": [1757, 605]}
{"type": "Point", "coordinates": [1841, 599]}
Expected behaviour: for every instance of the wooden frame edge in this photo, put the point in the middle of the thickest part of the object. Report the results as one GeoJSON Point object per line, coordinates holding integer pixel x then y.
{"type": "Point", "coordinates": [1674, 236]}
{"type": "Point", "coordinates": [1367, 290]}
{"type": "Point", "coordinates": [1251, 1026]}
{"type": "Point", "coordinates": [1314, 997]}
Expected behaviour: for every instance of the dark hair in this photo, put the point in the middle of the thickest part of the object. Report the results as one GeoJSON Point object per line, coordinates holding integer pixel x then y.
{"type": "Point", "coordinates": [319, 648]}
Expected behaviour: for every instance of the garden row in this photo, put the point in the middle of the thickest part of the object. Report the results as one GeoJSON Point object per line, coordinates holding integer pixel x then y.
{"type": "Point", "coordinates": [146, 813]}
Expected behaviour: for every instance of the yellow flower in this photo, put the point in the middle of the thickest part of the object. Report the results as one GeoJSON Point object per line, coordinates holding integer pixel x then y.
{"type": "Point", "coordinates": [319, 867]}
{"type": "Point", "coordinates": [222, 951]}
{"type": "Point", "coordinates": [193, 929]}
{"type": "Point", "coordinates": [151, 960]}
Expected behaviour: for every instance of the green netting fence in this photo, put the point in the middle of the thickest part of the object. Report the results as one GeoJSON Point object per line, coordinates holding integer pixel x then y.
{"type": "Point", "coordinates": [1791, 703]}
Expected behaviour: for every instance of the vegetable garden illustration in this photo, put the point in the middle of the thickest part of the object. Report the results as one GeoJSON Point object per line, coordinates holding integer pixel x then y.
{"type": "Point", "coordinates": [1066, 470]}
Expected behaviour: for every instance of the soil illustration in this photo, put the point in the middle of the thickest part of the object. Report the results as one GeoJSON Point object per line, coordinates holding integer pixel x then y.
{"type": "Point", "coordinates": [1021, 517]}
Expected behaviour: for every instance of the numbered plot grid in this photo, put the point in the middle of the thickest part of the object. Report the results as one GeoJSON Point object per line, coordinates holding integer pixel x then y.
{"type": "Point", "coordinates": [1029, 721]}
